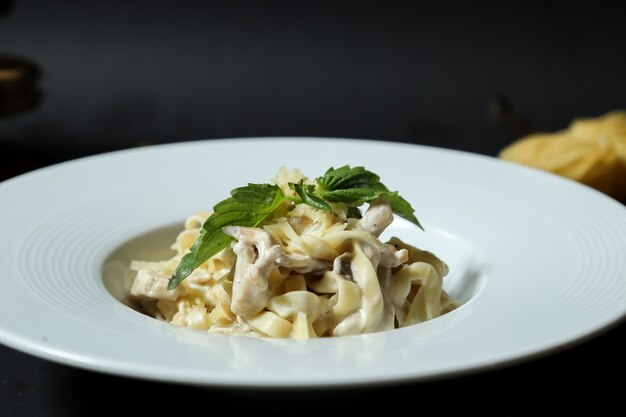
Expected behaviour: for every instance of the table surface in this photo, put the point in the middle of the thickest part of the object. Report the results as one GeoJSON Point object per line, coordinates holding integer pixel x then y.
{"type": "Point", "coordinates": [587, 376]}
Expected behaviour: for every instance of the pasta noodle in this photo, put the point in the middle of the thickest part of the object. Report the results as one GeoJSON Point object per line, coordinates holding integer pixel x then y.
{"type": "Point", "coordinates": [308, 274]}
{"type": "Point", "coordinates": [591, 151]}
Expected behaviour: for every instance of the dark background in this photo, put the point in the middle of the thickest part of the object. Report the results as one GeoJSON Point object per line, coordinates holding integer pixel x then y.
{"type": "Point", "coordinates": [99, 76]}
{"type": "Point", "coordinates": [118, 73]}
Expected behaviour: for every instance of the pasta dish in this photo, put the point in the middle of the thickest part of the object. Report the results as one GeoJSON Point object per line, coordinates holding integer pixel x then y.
{"type": "Point", "coordinates": [303, 271]}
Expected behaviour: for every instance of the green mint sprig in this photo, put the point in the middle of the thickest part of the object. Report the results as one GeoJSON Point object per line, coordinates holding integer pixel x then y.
{"type": "Point", "coordinates": [355, 186]}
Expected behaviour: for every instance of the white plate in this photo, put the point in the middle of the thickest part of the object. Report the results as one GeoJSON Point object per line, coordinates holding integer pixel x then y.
{"type": "Point", "coordinates": [538, 260]}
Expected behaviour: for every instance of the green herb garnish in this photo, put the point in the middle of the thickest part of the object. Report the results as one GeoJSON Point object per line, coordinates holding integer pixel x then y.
{"type": "Point", "coordinates": [306, 194]}
{"type": "Point", "coordinates": [247, 206]}
{"type": "Point", "coordinates": [357, 185]}
{"type": "Point", "coordinates": [254, 204]}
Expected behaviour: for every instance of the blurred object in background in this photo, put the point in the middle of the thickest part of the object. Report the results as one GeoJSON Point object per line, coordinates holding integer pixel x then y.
{"type": "Point", "coordinates": [19, 88]}
{"type": "Point", "coordinates": [19, 93]}
{"type": "Point", "coordinates": [507, 120]}
{"type": "Point", "coordinates": [591, 151]}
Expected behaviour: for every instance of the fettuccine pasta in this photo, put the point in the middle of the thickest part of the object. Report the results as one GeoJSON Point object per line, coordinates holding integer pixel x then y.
{"type": "Point", "coordinates": [591, 151]}
{"type": "Point", "coordinates": [308, 274]}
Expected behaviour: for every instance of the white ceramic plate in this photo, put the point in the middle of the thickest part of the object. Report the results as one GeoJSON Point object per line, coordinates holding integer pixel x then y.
{"type": "Point", "coordinates": [538, 261]}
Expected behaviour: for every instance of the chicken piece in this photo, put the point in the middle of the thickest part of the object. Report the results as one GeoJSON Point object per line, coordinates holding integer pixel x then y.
{"type": "Point", "coordinates": [150, 284]}
{"type": "Point", "coordinates": [256, 256]}
{"type": "Point", "coordinates": [377, 217]}
{"type": "Point", "coordinates": [303, 264]}
{"type": "Point", "coordinates": [393, 257]}
{"type": "Point", "coordinates": [385, 255]}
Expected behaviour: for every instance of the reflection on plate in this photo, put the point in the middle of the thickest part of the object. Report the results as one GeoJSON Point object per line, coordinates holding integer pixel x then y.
{"type": "Point", "coordinates": [538, 261]}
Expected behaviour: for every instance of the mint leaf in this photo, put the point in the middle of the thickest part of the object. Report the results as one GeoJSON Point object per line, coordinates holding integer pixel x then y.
{"type": "Point", "coordinates": [355, 196]}
{"type": "Point", "coordinates": [247, 206]}
{"type": "Point", "coordinates": [401, 207]}
{"type": "Point", "coordinates": [355, 186]}
{"type": "Point", "coordinates": [207, 245]}
{"type": "Point", "coordinates": [346, 177]}
{"type": "Point", "coordinates": [305, 192]}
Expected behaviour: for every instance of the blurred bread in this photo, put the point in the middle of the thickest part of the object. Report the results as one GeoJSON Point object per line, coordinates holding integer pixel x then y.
{"type": "Point", "coordinates": [591, 151]}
